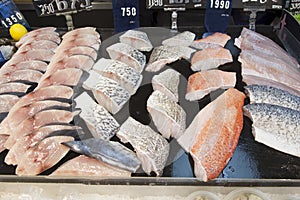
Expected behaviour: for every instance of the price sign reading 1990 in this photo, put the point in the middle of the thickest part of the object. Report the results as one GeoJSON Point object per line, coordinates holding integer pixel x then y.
{"type": "Point", "coordinates": [220, 4]}
{"type": "Point", "coordinates": [51, 7]}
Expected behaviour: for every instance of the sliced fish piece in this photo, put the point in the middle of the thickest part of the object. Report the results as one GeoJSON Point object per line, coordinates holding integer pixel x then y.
{"type": "Point", "coordinates": [213, 135]}
{"type": "Point", "coordinates": [272, 95]}
{"type": "Point", "coordinates": [52, 36]}
{"type": "Point", "coordinates": [13, 87]}
{"type": "Point", "coordinates": [212, 41]}
{"type": "Point", "coordinates": [85, 166]}
{"type": "Point", "coordinates": [39, 54]}
{"type": "Point", "coordinates": [98, 120]}
{"type": "Point", "coordinates": [210, 58]}
{"type": "Point", "coordinates": [30, 64]}
{"type": "Point", "coordinates": [163, 55]}
{"type": "Point", "coordinates": [107, 92]}
{"type": "Point", "coordinates": [110, 152]}
{"type": "Point", "coordinates": [44, 156]}
{"type": "Point", "coordinates": [202, 83]}
{"type": "Point", "coordinates": [21, 75]}
{"type": "Point", "coordinates": [7, 101]}
{"type": "Point", "coordinates": [81, 41]}
{"type": "Point", "coordinates": [126, 76]}
{"type": "Point", "coordinates": [128, 55]}
{"type": "Point", "coordinates": [39, 31]}
{"type": "Point", "coordinates": [167, 82]}
{"type": "Point", "coordinates": [151, 148]}
{"type": "Point", "coordinates": [79, 31]}
{"type": "Point", "coordinates": [168, 117]}
{"type": "Point", "coordinates": [137, 39]}
{"type": "Point", "coordinates": [3, 139]}
{"type": "Point", "coordinates": [181, 39]}
{"type": "Point", "coordinates": [275, 126]}
{"type": "Point", "coordinates": [77, 50]}
{"type": "Point", "coordinates": [38, 44]}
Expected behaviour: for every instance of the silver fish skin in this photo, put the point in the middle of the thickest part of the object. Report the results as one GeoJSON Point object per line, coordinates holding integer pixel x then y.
{"type": "Point", "coordinates": [137, 39]}
{"type": "Point", "coordinates": [272, 95]}
{"type": "Point", "coordinates": [110, 152]}
{"type": "Point", "coordinates": [181, 39]}
{"type": "Point", "coordinates": [275, 126]}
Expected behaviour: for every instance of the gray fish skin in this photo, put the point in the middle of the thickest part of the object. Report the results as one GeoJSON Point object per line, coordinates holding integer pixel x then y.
{"type": "Point", "coordinates": [272, 95]}
{"type": "Point", "coordinates": [109, 152]}
{"type": "Point", "coordinates": [275, 126]}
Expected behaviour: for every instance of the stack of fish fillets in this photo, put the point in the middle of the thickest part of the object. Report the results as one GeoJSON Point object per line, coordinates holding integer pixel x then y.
{"type": "Point", "coordinates": [40, 121]}
{"type": "Point", "coordinates": [273, 86]}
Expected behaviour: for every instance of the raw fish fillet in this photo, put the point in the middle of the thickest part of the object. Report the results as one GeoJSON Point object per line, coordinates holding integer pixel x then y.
{"type": "Point", "coordinates": [213, 134]}
{"type": "Point", "coordinates": [163, 55]}
{"type": "Point", "coordinates": [128, 55]}
{"type": "Point", "coordinates": [270, 68]}
{"type": "Point", "coordinates": [275, 126]}
{"type": "Point", "coordinates": [79, 31]}
{"type": "Point", "coordinates": [3, 139]}
{"type": "Point", "coordinates": [30, 64]}
{"type": "Point", "coordinates": [21, 75]}
{"type": "Point", "coordinates": [151, 148]}
{"type": "Point", "coordinates": [12, 87]}
{"type": "Point", "coordinates": [181, 39]}
{"type": "Point", "coordinates": [251, 80]}
{"type": "Point", "coordinates": [168, 117]}
{"type": "Point", "coordinates": [31, 140]}
{"type": "Point", "coordinates": [50, 30]}
{"type": "Point", "coordinates": [272, 95]}
{"type": "Point", "coordinates": [212, 41]}
{"type": "Point", "coordinates": [52, 36]}
{"type": "Point", "coordinates": [39, 54]}
{"type": "Point", "coordinates": [7, 101]}
{"type": "Point", "coordinates": [107, 92]}
{"type": "Point", "coordinates": [43, 156]}
{"type": "Point", "coordinates": [110, 152]}
{"type": "Point", "coordinates": [77, 50]}
{"type": "Point", "coordinates": [137, 39]}
{"type": "Point", "coordinates": [202, 83]}
{"type": "Point", "coordinates": [98, 120]}
{"type": "Point", "coordinates": [126, 76]}
{"type": "Point", "coordinates": [167, 82]}
{"type": "Point", "coordinates": [38, 44]}
{"type": "Point", "coordinates": [85, 166]}
{"type": "Point", "coordinates": [81, 41]}
{"type": "Point", "coordinates": [210, 58]}
{"type": "Point", "coordinates": [68, 76]}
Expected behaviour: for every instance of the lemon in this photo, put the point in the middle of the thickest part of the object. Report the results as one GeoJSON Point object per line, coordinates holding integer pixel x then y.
{"type": "Point", "coordinates": [17, 31]}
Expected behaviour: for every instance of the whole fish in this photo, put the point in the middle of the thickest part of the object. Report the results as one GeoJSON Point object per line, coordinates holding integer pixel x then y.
{"type": "Point", "coordinates": [137, 39]}
{"type": "Point", "coordinates": [275, 126]}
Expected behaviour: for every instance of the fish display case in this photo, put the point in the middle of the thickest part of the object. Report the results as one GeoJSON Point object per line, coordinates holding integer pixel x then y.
{"type": "Point", "coordinates": [252, 164]}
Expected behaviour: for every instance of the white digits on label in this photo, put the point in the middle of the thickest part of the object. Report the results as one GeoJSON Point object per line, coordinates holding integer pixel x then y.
{"type": "Point", "coordinates": [19, 15]}
{"type": "Point", "coordinates": [61, 4]}
{"type": "Point", "coordinates": [4, 24]}
{"type": "Point", "coordinates": [128, 11]}
{"type": "Point", "coordinates": [8, 21]}
{"type": "Point", "coordinates": [14, 18]}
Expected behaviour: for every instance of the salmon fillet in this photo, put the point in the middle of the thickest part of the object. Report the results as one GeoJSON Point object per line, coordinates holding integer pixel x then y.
{"type": "Point", "coordinates": [213, 135]}
{"type": "Point", "coordinates": [215, 40]}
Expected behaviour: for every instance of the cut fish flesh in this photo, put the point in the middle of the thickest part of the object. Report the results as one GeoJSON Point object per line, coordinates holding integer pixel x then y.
{"type": "Point", "coordinates": [107, 92]}
{"type": "Point", "coordinates": [275, 126]}
{"type": "Point", "coordinates": [272, 95]}
{"type": "Point", "coordinates": [128, 55]}
{"type": "Point", "coordinates": [12, 87]}
{"type": "Point", "coordinates": [181, 39]}
{"type": "Point", "coordinates": [39, 54]}
{"type": "Point", "coordinates": [98, 120]}
{"type": "Point", "coordinates": [79, 31]}
{"type": "Point", "coordinates": [110, 152]}
{"type": "Point", "coordinates": [85, 166]}
{"type": "Point", "coordinates": [202, 83]}
{"type": "Point", "coordinates": [81, 36]}
{"type": "Point", "coordinates": [7, 101]}
{"type": "Point", "coordinates": [72, 42]}
{"type": "Point", "coordinates": [163, 55]}
{"type": "Point", "coordinates": [252, 80]}
{"type": "Point", "coordinates": [77, 50]}
{"type": "Point", "coordinates": [168, 117]}
{"type": "Point", "coordinates": [3, 139]}
{"type": "Point", "coordinates": [137, 39]}
{"type": "Point", "coordinates": [167, 82]}
{"type": "Point", "coordinates": [38, 44]}
{"type": "Point", "coordinates": [52, 36]}
{"type": "Point", "coordinates": [30, 64]}
{"type": "Point", "coordinates": [210, 58]}
{"type": "Point", "coordinates": [43, 156]}
{"type": "Point", "coordinates": [126, 76]}
{"type": "Point", "coordinates": [213, 134]}
{"type": "Point", "coordinates": [151, 148]}
{"type": "Point", "coordinates": [269, 67]}
{"type": "Point", "coordinates": [39, 31]}
{"type": "Point", "coordinates": [212, 41]}
{"type": "Point", "coordinates": [21, 75]}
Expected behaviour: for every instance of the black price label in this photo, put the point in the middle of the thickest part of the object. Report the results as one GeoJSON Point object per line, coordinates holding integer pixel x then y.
{"type": "Point", "coordinates": [154, 4]}
{"type": "Point", "coordinates": [294, 7]}
{"type": "Point", "coordinates": [266, 4]}
{"type": "Point", "coordinates": [51, 7]}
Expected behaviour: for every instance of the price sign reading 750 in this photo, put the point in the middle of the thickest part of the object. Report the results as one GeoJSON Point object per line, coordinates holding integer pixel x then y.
{"type": "Point", "coordinates": [51, 7]}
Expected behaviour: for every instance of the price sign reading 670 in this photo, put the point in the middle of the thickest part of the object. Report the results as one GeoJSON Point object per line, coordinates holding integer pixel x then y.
{"type": "Point", "coordinates": [51, 7]}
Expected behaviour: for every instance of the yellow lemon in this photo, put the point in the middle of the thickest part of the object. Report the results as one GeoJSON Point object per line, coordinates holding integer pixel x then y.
{"type": "Point", "coordinates": [17, 31]}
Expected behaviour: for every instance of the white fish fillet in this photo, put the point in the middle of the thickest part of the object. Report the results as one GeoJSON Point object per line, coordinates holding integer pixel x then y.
{"type": "Point", "coordinates": [38, 44]}
{"type": "Point", "coordinates": [45, 35]}
{"type": "Point", "coordinates": [3, 139]}
{"type": "Point", "coordinates": [167, 82]}
{"type": "Point", "coordinates": [137, 39]}
{"type": "Point", "coordinates": [79, 31]}
{"type": "Point", "coordinates": [39, 54]}
{"type": "Point", "coordinates": [80, 41]}
{"type": "Point", "coordinates": [151, 148]}
{"type": "Point", "coordinates": [126, 76]}
{"type": "Point", "coordinates": [128, 55]}
{"type": "Point", "coordinates": [13, 87]}
{"type": "Point", "coordinates": [107, 92]}
{"type": "Point", "coordinates": [30, 64]}
{"type": "Point", "coordinates": [21, 75]}
{"type": "Point", "coordinates": [168, 117]}
{"type": "Point", "coordinates": [77, 50]}
{"type": "Point", "coordinates": [181, 39]}
{"type": "Point", "coordinates": [98, 120]}
{"type": "Point", "coordinates": [7, 101]}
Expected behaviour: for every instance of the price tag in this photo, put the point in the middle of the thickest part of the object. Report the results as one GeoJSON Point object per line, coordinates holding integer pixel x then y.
{"type": "Point", "coordinates": [51, 7]}
{"type": "Point", "coordinates": [217, 15]}
{"type": "Point", "coordinates": [126, 14]}
{"type": "Point", "coordinates": [294, 7]}
{"type": "Point", "coordinates": [154, 4]}
{"type": "Point", "coordinates": [265, 4]}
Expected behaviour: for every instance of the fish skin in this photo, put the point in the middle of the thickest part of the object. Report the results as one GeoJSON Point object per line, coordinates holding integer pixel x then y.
{"type": "Point", "coordinates": [272, 95]}
{"type": "Point", "coordinates": [181, 39]}
{"type": "Point", "coordinates": [137, 39]}
{"type": "Point", "coordinates": [275, 126]}
{"type": "Point", "coordinates": [215, 40]}
{"type": "Point", "coordinates": [110, 152]}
